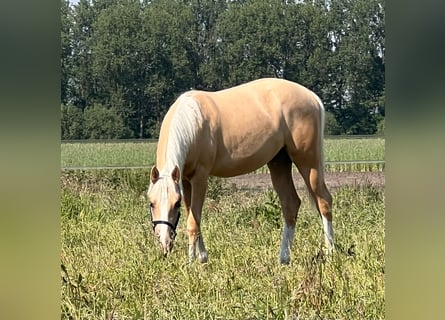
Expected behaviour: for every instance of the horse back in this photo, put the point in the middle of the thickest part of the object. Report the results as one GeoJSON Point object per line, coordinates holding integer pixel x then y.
{"type": "Point", "coordinates": [247, 125]}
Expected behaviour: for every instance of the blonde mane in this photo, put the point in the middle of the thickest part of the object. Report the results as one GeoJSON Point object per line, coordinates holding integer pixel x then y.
{"type": "Point", "coordinates": [184, 126]}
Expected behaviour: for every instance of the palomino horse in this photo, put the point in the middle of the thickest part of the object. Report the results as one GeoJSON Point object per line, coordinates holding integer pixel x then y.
{"type": "Point", "coordinates": [233, 132]}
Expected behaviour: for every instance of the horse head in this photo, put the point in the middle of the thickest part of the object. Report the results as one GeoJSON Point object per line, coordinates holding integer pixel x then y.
{"type": "Point", "coordinates": [164, 196]}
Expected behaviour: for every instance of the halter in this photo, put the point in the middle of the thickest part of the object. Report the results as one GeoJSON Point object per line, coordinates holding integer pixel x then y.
{"type": "Point", "coordinates": [154, 223]}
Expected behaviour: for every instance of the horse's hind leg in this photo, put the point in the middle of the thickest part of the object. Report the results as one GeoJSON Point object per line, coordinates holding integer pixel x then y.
{"type": "Point", "coordinates": [314, 179]}
{"type": "Point", "coordinates": [281, 173]}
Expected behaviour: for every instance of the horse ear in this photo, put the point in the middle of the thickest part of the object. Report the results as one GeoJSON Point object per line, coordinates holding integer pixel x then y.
{"type": "Point", "coordinates": [176, 174]}
{"type": "Point", "coordinates": [154, 174]}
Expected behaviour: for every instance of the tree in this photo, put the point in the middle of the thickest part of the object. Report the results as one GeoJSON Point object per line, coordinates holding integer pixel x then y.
{"type": "Point", "coordinates": [168, 48]}
{"type": "Point", "coordinates": [118, 61]}
{"type": "Point", "coordinates": [103, 123]}
{"type": "Point", "coordinates": [205, 18]}
{"type": "Point", "coordinates": [135, 57]}
{"type": "Point", "coordinates": [71, 120]}
{"type": "Point", "coordinates": [66, 50]}
{"type": "Point", "coordinates": [276, 38]}
{"type": "Point", "coordinates": [247, 43]}
{"type": "Point", "coordinates": [356, 65]}
{"type": "Point", "coordinates": [331, 125]}
{"type": "Point", "coordinates": [82, 85]}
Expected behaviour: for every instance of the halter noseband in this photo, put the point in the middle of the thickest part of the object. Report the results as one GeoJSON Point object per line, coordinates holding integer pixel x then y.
{"type": "Point", "coordinates": [154, 223]}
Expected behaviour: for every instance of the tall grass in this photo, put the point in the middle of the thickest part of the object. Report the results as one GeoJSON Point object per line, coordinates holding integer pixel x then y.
{"type": "Point", "coordinates": [362, 155]}
{"type": "Point", "coordinates": [354, 149]}
{"type": "Point", "coordinates": [112, 267]}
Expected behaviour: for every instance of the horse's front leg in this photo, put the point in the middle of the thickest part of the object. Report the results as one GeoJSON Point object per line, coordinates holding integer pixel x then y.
{"type": "Point", "coordinates": [197, 191]}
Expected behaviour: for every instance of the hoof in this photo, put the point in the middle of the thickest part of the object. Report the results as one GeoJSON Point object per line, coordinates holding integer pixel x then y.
{"type": "Point", "coordinates": [203, 257]}
{"type": "Point", "coordinates": [285, 261]}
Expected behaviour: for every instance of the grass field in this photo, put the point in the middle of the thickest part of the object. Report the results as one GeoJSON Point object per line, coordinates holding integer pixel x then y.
{"type": "Point", "coordinates": [143, 154]}
{"type": "Point", "coordinates": [112, 267]}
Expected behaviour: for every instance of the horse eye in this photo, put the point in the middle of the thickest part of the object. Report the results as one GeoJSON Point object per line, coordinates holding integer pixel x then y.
{"type": "Point", "coordinates": [178, 204]}
{"type": "Point", "coordinates": [151, 205]}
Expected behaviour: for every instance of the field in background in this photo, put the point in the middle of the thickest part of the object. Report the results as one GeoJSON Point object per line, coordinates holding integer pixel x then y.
{"type": "Point", "coordinates": [347, 154]}
{"type": "Point", "coordinates": [112, 267]}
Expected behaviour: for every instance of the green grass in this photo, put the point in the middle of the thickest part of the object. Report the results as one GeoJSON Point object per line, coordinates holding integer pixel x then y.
{"type": "Point", "coordinates": [354, 149]}
{"type": "Point", "coordinates": [112, 266]}
{"type": "Point", "coordinates": [143, 154]}
{"type": "Point", "coordinates": [108, 154]}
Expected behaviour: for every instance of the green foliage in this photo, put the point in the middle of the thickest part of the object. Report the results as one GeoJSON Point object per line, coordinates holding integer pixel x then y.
{"type": "Point", "coordinates": [136, 57]}
{"type": "Point", "coordinates": [71, 120]}
{"type": "Point", "coordinates": [215, 188]}
{"type": "Point", "coordinates": [103, 123]}
{"type": "Point", "coordinates": [66, 45]}
{"type": "Point", "coordinates": [381, 127]}
{"type": "Point", "coordinates": [331, 125]}
{"type": "Point", "coordinates": [112, 267]}
{"type": "Point", "coordinates": [356, 66]}
{"type": "Point", "coordinates": [269, 211]}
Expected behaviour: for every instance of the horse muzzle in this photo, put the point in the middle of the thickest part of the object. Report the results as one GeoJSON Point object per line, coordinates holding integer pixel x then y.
{"type": "Point", "coordinates": [167, 245]}
{"type": "Point", "coordinates": [166, 236]}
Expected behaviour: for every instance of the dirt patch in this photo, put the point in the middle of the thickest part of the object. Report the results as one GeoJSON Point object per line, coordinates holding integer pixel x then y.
{"type": "Point", "coordinates": [333, 180]}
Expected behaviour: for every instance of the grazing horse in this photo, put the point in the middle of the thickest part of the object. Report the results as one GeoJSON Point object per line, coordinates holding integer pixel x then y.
{"type": "Point", "coordinates": [233, 132]}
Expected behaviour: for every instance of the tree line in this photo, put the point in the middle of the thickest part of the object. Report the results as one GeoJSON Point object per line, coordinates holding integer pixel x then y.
{"type": "Point", "coordinates": [124, 62]}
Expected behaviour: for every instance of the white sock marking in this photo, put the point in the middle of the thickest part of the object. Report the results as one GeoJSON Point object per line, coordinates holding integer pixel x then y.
{"type": "Point", "coordinates": [202, 253]}
{"type": "Point", "coordinates": [328, 233]}
{"type": "Point", "coordinates": [286, 243]}
{"type": "Point", "coordinates": [192, 249]}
